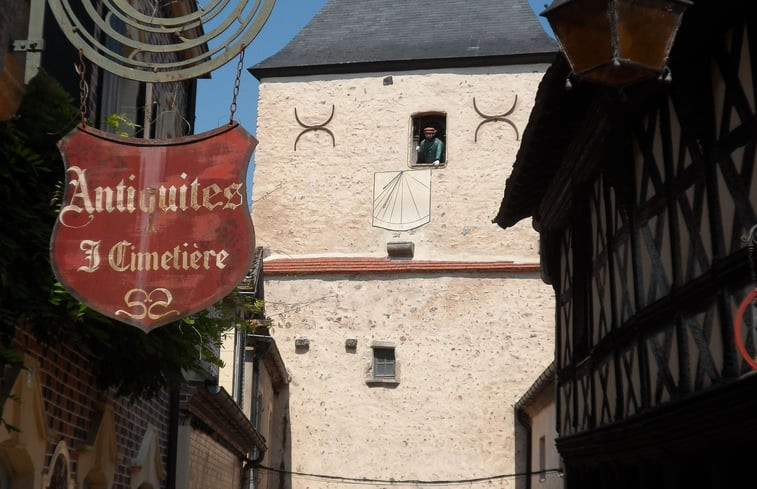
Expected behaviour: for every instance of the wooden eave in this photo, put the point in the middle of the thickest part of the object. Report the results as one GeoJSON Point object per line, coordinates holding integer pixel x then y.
{"type": "Point", "coordinates": [540, 394]}
{"type": "Point", "coordinates": [271, 357]}
{"type": "Point", "coordinates": [551, 127]}
{"type": "Point", "coordinates": [559, 119]}
{"type": "Point", "coordinates": [561, 146]}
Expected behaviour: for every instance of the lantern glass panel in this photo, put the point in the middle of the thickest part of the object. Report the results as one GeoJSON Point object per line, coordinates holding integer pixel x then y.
{"type": "Point", "coordinates": [646, 29]}
{"type": "Point", "coordinates": [583, 28]}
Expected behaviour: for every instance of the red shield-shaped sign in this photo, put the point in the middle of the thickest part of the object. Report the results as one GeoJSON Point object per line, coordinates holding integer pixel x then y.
{"type": "Point", "coordinates": [153, 231]}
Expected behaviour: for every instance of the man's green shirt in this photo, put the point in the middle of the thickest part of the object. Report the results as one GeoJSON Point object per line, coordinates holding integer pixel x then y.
{"type": "Point", "coordinates": [430, 150]}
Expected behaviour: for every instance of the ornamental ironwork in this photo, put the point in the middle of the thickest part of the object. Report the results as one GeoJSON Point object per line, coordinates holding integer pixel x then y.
{"type": "Point", "coordinates": [315, 127]}
{"type": "Point", "coordinates": [154, 43]}
{"type": "Point", "coordinates": [496, 118]}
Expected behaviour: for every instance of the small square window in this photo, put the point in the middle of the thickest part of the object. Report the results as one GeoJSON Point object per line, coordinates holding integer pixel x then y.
{"type": "Point", "coordinates": [383, 363]}
{"type": "Point", "coordinates": [429, 151]}
{"type": "Point", "coordinates": [383, 369]}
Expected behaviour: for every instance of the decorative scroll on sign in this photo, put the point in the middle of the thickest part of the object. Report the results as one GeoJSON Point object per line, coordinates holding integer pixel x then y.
{"type": "Point", "coordinates": [152, 231]}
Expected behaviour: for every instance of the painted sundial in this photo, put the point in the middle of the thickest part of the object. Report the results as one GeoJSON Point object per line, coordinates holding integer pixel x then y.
{"type": "Point", "coordinates": [401, 199]}
{"type": "Point", "coordinates": [153, 41]}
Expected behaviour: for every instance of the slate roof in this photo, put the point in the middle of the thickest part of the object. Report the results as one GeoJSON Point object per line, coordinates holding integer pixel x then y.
{"type": "Point", "coordinates": [352, 36]}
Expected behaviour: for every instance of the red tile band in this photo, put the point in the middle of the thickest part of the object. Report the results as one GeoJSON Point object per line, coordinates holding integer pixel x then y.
{"type": "Point", "coordinates": [322, 266]}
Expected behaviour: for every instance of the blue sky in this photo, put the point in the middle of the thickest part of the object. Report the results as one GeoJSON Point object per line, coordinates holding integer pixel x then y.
{"type": "Point", "coordinates": [214, 95]}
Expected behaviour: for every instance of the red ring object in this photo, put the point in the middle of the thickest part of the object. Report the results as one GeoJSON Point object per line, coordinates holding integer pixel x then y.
{"type": "Point", "coordinates": [737, 328]}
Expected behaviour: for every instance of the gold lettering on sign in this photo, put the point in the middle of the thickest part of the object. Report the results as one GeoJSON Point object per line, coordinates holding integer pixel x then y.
{"type": "Point", "coordinates": [123, 257]}
{"type": "Point", "coordinates": [80, 201]}
{"type": "Point", "coordinates": [146, 302]}
{"type": "Point", "coordinates": [91, 251]}
{"type": "Point", "coordinates": [125, 198]}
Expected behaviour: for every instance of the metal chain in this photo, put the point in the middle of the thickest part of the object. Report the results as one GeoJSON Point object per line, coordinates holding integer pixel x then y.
{"type": "Point", "coordinates": [240, 63]}
{"type": "Point", "coordinates": [83, 88]}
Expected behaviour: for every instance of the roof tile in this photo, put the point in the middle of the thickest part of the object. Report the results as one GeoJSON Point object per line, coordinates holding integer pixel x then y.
{"type": "Point", "coordinates": [353, 266]}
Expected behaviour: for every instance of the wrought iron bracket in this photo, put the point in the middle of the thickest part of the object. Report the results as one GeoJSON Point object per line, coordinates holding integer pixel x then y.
{"type": "Point", "coordinates": [29, 45]}
{"type": "Point", "coordinates": [496, 118]}
{"type": "Point", "coordinates": [34, 34]}
{"type": "Point", "coordinates": [314, 127]}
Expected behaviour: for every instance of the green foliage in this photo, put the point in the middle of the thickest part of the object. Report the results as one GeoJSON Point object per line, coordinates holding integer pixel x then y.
{"type": "Point", "coordinates": [125, 358]}
{"type": "Point", "coordinates": [29, 174]}
{"type": "Point", "coordinates": [115, 121]}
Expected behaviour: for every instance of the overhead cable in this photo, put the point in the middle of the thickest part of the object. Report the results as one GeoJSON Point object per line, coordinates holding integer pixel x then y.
{"type": "Point", "coordinates": [392, 481]}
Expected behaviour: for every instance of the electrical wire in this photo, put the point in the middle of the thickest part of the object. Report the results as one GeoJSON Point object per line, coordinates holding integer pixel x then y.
{"type": "Point", "coordinates": [369, 481]}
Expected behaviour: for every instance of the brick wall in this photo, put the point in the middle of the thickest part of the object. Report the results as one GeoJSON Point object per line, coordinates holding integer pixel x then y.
{"type": "Point", "coordinates": [73, 403]}
{"type": "Point", "coordinates": [75, 413]}
{"type": "Point", "coordinates": [13, 26]}
{"type": "Point", "coordinates": [212, 465]}
{"type": "Point", "coordinates": [132, 419]}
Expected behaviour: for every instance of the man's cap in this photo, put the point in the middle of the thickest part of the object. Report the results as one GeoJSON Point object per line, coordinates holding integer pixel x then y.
{"type": "Point", "coordinates": [429, 129]}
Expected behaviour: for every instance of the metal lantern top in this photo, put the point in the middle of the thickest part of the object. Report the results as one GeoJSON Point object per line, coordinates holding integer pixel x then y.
{"type": "Point", "coordinates": [616, 42]}
{"type": "Point", "coordinates": [144, 41]}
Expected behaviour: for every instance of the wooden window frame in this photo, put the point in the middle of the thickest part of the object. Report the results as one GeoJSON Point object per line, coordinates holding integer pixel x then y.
{"type": "Point", "coordinates": [388, 362]}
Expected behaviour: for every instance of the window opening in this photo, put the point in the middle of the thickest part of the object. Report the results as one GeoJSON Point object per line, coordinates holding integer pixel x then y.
{"type": "Point", "coordinates": [120, 96]}
{"type": "Point", "coordinates": [421, 122]}
{"type": "Point", "coordinates": [383, 363]}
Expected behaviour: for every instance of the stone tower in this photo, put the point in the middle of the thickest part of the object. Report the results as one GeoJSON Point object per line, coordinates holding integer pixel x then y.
{"type": "Point", "coordinates": [410, 323]}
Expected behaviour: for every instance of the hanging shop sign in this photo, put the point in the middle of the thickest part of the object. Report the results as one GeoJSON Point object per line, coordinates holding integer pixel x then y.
{"type": "Point", "coordinates": [150, 231]}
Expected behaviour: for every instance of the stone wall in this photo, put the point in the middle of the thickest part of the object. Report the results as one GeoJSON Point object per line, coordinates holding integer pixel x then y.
{"type": "Point", "coordinates": [468, 343]}
{"type": "Point", "coordinates": [319, 199]}
{"type": "Point", "coordinates": [467, 348]}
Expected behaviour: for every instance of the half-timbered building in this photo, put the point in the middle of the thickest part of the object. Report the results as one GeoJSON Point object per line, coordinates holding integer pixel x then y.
{"type": "Point", "coordinates": [645, 200]}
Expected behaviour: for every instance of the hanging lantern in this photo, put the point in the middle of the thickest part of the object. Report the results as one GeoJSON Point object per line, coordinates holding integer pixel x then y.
{"type": "Point", "coordinates": [616, 42]}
